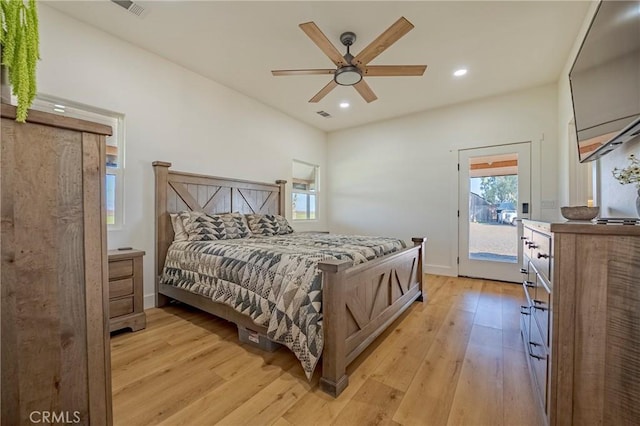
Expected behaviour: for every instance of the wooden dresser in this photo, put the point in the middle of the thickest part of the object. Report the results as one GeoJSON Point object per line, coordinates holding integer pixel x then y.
{"type": "Point", "coordinates": [592, 352]}
{"type": "Point", "coordinates": [126, 308]}
{"type": "Point", "coordinates": [536, 313]}
{"type": "Point", "coordinates": [55, 340]}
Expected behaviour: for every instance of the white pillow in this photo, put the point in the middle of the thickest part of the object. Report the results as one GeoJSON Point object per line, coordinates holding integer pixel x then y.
{"type": "Point", "coordinates": [179, 233]}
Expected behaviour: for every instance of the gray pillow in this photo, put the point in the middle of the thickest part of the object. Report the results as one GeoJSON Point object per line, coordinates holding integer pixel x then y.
{"type": "Point", "coordinates": [203, 227]}
{"type": "Point", "coordinates": [268, 224]}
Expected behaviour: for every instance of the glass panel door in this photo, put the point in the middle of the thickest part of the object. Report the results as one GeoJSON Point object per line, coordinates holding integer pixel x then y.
{"type": "Point", "coordinates": [494, 189]}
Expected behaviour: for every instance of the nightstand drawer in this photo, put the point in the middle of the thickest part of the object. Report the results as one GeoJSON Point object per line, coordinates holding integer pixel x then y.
{"type": "Point", "coordinates": [120, 268]}
{"type": "Point", "coordinates": [120, 307]}
{"type": "Point", "coordinates": [119, 288]}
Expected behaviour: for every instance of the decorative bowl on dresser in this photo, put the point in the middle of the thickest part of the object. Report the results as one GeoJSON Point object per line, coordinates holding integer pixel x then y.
{"type": "Point", "coordinates": [581, 323]}
{"type": "Point", "coordinates": [126, 308]}
{"type": "Point", "coordinates": [579, 212]}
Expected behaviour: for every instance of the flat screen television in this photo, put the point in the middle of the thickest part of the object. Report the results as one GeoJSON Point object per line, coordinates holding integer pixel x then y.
{"type": "Point", "coordinates": [605, 80]}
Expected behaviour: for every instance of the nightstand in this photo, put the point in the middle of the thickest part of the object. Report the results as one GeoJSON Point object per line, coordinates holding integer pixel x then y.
{"type": "Point", "coordinates": [126, 308]}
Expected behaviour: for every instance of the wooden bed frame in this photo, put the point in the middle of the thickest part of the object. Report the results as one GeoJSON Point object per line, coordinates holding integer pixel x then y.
{"type": "Point", "coordinates": [358, 302]}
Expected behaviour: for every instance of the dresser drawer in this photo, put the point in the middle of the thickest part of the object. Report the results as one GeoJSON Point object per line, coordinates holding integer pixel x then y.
{"type": "Point", "coordinates": [120, 268]}
{"type": "Point", "coordinates": [540, 308]}
{"type": "Point", "coordinates": [527, 238]}
{"type": "Point", "coordinates": [525, 322]}
{"type": "Point", "coordinates": [541, 254]}
{"type": "Point", "coordinates": [120, 307]}
{"type": "Point", "coordinates": [529, 285]}
{"type": "Point", "coordinates": [538, 360]}
{"type": "Point", "coordinates": [119, 288]}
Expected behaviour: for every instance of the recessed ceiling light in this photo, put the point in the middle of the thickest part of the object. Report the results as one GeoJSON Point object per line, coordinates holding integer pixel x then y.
{"type": "Point", "coordinates": [58, 110]}
{"type": "Point", "coordinates": [344, 104]}
{"type": "Point", "coordinates": [59, 106]}
{"type": "Point", "coordinates": [460, 72]}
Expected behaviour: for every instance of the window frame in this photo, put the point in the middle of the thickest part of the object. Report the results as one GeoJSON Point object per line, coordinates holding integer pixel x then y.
{"type": "Point", "coordinates": [46, 103]}
{"type": "Point", "coordinates": [308, 192]}
{"type": "Point", "coordinates": [118, 172]}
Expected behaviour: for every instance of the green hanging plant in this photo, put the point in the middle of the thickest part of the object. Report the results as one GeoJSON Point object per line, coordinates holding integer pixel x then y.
{"type": "Point", "coordinates": [20, 50]}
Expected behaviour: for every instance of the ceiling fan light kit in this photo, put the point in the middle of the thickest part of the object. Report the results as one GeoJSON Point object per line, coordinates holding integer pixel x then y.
{"type": "Point", "coordinates": [347, 75]}
{"type": "Point", "coordinates": [351, 69]}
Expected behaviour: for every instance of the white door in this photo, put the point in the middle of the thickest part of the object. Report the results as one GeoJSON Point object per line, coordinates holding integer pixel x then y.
{"type": "Point", "coordinates": [494, 189]}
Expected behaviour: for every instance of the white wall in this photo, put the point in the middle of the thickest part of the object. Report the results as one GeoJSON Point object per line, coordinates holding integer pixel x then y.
{"type": "Point", "coordinates": [172, 114]}
{"type": "Point", "coordinates": [618, 200]}
{"type": "Point", "coordinates": [399, 177]}
{"type": "Point", "coordinates": [574, 185]}
{"type": "Point", "coordinates": [615, 200]}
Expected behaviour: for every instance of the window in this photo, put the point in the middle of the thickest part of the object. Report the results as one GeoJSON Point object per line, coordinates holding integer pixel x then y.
{"type": "Point", "coordinates": [304, 192]}
{"type": "Point", "coordinates": [114, 184]}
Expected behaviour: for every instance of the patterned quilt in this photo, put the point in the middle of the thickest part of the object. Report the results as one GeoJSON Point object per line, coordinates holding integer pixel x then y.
{"type": "Point", "coordinates": [273, 280]}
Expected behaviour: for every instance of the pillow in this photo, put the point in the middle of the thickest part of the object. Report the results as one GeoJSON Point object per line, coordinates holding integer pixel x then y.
{"type": "Point", "coordinates": [268, 224]}
{"type": "Point", "coordinates": [203, 227]}
{"type": "Point", "coordinates": [285, 228]}
{"type": "Point", "coordinates": [179, 233]}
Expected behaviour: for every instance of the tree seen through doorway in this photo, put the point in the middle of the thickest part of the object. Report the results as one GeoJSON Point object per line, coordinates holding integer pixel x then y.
{"type": "Point", "coordinates": [500, 189]}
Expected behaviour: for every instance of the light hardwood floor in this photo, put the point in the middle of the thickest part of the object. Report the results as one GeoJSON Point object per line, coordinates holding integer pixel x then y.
{"type": "Point", "coordinates": [457, 359]}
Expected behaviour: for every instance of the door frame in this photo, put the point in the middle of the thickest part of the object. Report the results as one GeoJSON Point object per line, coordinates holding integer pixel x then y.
{"type": "Point", "coordinates": [534, 195]}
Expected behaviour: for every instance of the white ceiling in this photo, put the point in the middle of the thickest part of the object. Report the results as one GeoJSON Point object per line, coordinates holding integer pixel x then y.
{"type": "Point", "coordinates": [505, 45]}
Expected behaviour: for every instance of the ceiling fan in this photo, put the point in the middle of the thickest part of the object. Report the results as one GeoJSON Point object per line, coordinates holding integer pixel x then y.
{"type": "Point", "coordinates": [351, 69]}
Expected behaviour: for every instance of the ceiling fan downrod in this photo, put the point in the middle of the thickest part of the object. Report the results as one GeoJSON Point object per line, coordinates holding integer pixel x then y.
{"type": "Point", "coordinates": [347, 39]}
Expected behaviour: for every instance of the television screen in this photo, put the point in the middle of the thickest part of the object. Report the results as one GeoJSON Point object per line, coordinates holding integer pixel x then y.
{"type": "Point", "coordinates": [605, 79]}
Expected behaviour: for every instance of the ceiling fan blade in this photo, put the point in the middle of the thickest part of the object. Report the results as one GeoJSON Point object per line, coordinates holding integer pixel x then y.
{"type": "Point", "coordinates": [321, 40]}
{"type": "Point", "coordinates": [303, 72]}
{"type": "Point", "coordinates": [365, 91]}
{"type": "Point", "coordinates": [384, 40]}
{"type": "Point", "coordinates": [393, 70]}
{"type": "Point", "coordinates": [324, 91]}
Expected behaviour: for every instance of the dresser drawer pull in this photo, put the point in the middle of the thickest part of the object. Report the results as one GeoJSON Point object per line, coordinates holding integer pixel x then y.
{"type": "Point", "coordinates": [529, 284]}
{"type": "Point", "coordinates": [524, 271]}
{"type": "Point", "coordinates": [537, 306]}
{"type": "Point", "coordinates": [523, 238]}
{"type": "Point", "coordinates": [524, 310]}
{"type": "Point", "coordinates": [543, 256]}
{"type": "Point", "coordinates": [541, 358]}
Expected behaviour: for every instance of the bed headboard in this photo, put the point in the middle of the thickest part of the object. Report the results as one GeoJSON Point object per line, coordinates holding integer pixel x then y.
{"type": "Point", "coordinates": [179, 191]}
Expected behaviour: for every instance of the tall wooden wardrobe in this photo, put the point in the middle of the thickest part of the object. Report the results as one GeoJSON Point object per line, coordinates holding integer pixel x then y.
{"type": "Point", "coordinates": [55, 341]}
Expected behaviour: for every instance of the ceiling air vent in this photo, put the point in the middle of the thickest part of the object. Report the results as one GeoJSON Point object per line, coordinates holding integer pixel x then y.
{"type": "Point", "coordinates": [132, 7]}
{"type": "Point", "coordinates": [324, 114]}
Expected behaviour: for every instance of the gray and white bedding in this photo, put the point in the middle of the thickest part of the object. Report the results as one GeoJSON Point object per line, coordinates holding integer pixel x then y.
{"type": "Point", "coordinates": [274, 279]}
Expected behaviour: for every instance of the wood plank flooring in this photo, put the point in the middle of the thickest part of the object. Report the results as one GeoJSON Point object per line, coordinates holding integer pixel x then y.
{"type": "Point", "coordinates": [457, 359]}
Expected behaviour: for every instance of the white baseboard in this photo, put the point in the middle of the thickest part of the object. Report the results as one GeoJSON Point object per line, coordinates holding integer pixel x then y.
{"type": "Point", "coordinates": [149, 301]}
{"type": "Point", "coordinates": [440, 270]}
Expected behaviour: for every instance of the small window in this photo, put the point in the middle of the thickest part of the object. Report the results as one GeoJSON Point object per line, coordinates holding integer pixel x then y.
{"type": "Point", "coordinates": [304, 192]}
{"type": "Point", "coordinates": [114, 185]}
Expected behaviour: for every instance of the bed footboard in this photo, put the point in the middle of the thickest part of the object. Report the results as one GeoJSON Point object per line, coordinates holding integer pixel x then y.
{"type": "Point", "coordinates": [360, 302]}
